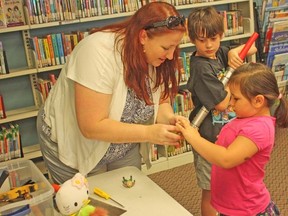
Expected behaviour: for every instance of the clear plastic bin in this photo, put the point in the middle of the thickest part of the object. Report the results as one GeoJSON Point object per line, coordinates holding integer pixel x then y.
{"type": "Point", "coordinates": [22, 171]}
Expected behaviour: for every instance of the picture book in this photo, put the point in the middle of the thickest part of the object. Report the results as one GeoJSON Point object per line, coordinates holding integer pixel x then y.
{"type": "Point", "coordinates": [282, 85]}
{"type": "Point", "coordinates": [276, 3]}
{"type": "Point", "coordinates": [272, 14]}
{"type": "Point", "coordinates": [280, 32]}
{"type": "Point", "coordinates": [3, 23]}
{"type": "Point", "coordinates": [275, 49]}
{"type": "Point", "coordinates": [14, 12]}
{"type": "Point", "coordinates": [279, 75]}
{"type": "Point", "coordinates": [279, 61]}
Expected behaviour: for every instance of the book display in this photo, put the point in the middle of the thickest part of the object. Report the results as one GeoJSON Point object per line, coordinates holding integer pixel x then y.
{"type": "Point", "coordinates": [275, 37]}
{"type": "Point", "coordinates": [37, 47]}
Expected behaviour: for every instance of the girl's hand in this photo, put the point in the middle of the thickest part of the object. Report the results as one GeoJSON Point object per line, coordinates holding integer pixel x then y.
{"type": "Point", "coordinates": [190, 133]}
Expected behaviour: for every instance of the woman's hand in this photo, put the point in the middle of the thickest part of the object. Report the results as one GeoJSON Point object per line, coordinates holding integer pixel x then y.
{"type": "Point", "coordinates": [175, 118]}
{"type": "Point", "coordinates": [163, 134]}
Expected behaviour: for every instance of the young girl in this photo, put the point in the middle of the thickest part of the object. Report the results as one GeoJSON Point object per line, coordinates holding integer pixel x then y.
{"type": "Point", "coordinates": [244, 145]}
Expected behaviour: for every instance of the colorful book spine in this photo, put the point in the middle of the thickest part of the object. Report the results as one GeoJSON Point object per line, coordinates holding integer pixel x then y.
{"type": "Point", "coordinates": [34, 45]}
{"type": "Point", "coordinates": [51, 49]}
{"type": "Point", "coordinates": [47, 51]}
{"type": "Point", "coordinates": [2, 60]}
{"type": "Point", "coordinates": [2, 108]}
{"type": "Point", "coordinates": [42, 53]}
{"type": "Point", "coordinates": [60, 48]}
{"type": "Point", "coordinates": [56, 50]}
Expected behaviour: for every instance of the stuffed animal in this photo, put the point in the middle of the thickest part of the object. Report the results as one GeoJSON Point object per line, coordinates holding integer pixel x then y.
{"type": "Point", "coordinates": [90, 210]}
{"type": "Point", "coordinates": [72, 195]}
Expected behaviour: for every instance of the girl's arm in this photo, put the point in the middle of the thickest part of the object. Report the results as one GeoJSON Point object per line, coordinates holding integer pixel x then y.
{"type": "Point", "coordinates": [240, 150]}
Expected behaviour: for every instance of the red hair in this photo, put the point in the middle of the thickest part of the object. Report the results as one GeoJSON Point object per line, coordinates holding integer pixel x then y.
{"type": "Point", "coordinates": [128, 44]}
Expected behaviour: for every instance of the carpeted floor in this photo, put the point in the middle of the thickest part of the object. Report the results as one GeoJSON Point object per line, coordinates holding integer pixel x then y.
{"type": "Point", "coordinates": [180, 182]}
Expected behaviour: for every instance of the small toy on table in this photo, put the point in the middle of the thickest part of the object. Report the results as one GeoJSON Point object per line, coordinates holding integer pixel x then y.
{"type": "Point", "coordinates": [128, 182]}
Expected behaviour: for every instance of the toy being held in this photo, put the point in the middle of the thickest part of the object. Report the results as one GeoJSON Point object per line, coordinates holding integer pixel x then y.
{"type": "Point", "coordinates": [72, 195]}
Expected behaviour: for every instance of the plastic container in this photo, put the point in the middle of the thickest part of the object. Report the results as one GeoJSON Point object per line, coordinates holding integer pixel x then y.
{"type": "Point", "coordinates": [21, 172]}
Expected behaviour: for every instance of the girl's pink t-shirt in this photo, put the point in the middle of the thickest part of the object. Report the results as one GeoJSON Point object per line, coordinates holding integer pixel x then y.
{"type": "Point", "coordinates": [240, 190]}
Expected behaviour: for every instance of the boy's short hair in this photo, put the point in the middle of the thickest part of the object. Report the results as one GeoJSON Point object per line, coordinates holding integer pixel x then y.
{"type": "Point", "coordinates": [205, 21]}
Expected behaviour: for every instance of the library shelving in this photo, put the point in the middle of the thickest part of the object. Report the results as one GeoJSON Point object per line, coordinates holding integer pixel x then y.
{"type": "Point", "coordinates": [19, 86]}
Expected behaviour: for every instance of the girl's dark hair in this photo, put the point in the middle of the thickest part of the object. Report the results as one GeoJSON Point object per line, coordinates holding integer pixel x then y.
{"type": "Point", "coordinates": [127, 42]}
{"type": "Point", "coordinates": [257, 78]}
{"type": "Point", "coordinates": [206, 22]}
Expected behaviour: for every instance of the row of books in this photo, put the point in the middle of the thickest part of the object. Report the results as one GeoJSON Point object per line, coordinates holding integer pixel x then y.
{"type": "Point", "coordinates": [275, 26]}
{"type": "Point", "coordinates": [10, 143]}
{"type": "Point", "coordinates": [176, 150]}
{"type": "Point", "coordinates": [233, 22]}
{"type": "Point", "coordinates": [4, 69]}
{"type": "Point", "coordinates": [54, 49]}
{"type": "Point", "coordinates": [59, 10]}
{"type": "Point", "coordinates": [184, 62]}
{"type": "Point", "coordinates": [156, 151]}
{"type": "Point", "coordinates": [12, 12]}
{"type": "Point", "coordinates": [182, 103]}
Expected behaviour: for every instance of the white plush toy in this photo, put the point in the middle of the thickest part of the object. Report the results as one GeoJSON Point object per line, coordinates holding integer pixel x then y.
{"type": "Point", "coordinates": [72, 195]}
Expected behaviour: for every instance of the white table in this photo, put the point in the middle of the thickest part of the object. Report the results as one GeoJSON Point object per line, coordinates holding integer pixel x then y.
{"type": "Point", "coordinates": [145, 198]}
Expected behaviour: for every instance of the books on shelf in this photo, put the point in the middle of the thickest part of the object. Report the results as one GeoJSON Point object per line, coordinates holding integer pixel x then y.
{"type": "Point", "coordinates": [232, 21]}
{"type": "Point", "coordinates": [10, 142]}
{"type": "Point", "coordinates": [54, 49]}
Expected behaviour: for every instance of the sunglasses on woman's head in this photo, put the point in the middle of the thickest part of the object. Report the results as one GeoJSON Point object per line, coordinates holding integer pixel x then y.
{"type": "Point", "coordinates": [171, 22]}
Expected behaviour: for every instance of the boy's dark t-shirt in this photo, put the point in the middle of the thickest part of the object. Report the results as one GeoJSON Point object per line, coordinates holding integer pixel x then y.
{"type": "Point", "coordinates": [207, 90]}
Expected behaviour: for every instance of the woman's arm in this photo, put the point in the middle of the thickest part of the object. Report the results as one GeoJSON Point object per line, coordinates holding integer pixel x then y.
{"type": "Point", "coordinates": [92, 111]}
{"type": "Point", "coordinates": [165, 113]}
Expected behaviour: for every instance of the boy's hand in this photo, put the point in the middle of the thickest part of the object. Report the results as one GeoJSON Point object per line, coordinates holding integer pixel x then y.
{"type": "Point", "coordinates": [234, 60]}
